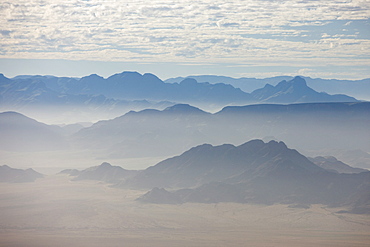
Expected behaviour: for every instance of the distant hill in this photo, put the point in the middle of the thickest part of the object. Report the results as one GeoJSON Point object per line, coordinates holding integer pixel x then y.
{"type": "Point", "coordinates": [21, 133]}
{"type": "Point", "coordinates": [330, 163]}
{"type": "Point", "coordinates": [12, 175]}
{"type": "Point", "coordinates": [104, 172]}
{"type": "Point", "coordinates": [255, 172]}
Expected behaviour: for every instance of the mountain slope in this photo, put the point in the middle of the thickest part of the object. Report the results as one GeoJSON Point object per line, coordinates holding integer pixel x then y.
{"type": "Point", "coordinates": [330, 163]}
{"type": "Point", "coordinates": [20, 133]}
{"type": "Point", "coordinates": [12, 175]}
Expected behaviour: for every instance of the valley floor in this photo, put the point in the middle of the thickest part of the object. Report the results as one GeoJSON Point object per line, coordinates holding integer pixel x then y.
{"type": "Point", "coordinates": [54, 211]}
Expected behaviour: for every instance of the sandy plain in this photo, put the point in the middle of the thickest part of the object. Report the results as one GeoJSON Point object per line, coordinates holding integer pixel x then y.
{"type": "Point", "coordinates": [54, 211]}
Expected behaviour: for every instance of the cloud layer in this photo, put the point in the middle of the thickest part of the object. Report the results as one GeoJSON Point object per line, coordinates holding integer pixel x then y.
{"type": "Point", "coordinates": [254, 32]}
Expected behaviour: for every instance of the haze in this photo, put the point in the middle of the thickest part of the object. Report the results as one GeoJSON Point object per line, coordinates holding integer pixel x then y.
{"type": "Point", "coordinates": [185, 123]}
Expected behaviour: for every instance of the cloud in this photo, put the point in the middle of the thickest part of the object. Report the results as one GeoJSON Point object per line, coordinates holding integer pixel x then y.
{"type": "Point", "coordinates": [255, 31]}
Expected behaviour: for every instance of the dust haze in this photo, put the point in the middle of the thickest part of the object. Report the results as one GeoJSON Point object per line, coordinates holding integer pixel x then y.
{"type": "Point", "coordinates": [55, 211]}
{"type": "Point", "coordinates": [154, 163]}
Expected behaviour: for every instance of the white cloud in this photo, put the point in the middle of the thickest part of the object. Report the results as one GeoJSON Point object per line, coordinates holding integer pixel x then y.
{"type": "Point", "coordinates": [255, 31]}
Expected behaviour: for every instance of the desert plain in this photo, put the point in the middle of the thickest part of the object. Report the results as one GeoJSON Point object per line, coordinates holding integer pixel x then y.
{"type": "Point", "coordinates": [55, 211]}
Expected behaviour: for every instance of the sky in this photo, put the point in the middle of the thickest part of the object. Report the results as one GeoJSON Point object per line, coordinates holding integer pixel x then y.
{"type": "Point", "coordinates": [170, 38]}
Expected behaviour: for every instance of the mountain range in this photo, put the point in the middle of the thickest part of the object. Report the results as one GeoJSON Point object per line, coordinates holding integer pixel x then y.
{"type": "Point", "coordinates": [21, 133]}
{"type": "Point", "coordinates": [254, 172]}
{"type": "Point", "coordinates": [12, 175]}
{"type": "Point", "coordinates": [356, 88]}
{"type": "Point", "coordinates": [131, 89]}
{"type": "Point", "coordinates": [148, 133]}
{"type": "Point", "coordinates": [313, 128]}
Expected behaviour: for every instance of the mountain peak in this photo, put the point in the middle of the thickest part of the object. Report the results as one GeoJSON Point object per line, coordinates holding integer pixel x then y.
{"type": "Point", "coordinates": [183, 108]}
{"type": "Point", "coordinates": [189, 81]}
{"type": "Point", "coordinates": [105, 165]}
{"type": "Point", "coordinates": [127, 75]}
{"type": "Point", "coordinates": [296, 82]}
{"type": "Point", "coordinates": [151, 76]}
{"type": "Point", "coordinates": [299, 81]}
{"type": "Point", "coordinates": [92, 76]}
{"type": "Point", "coordinates": [296, 91]}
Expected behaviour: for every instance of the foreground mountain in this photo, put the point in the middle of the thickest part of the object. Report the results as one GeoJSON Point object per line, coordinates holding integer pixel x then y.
{"type": "Point", "coordinates": [21, 133]}
{"type": "Point", "coordinates": [255, 172]}
{"type": "Point", "coordinates": [104, 172]}
{"type": "Point", "coordinates": [330, 163]}
{"type": "Point", "coordinates": [12, 175]}
{"type": "Point", "coordinates": [206, 163]}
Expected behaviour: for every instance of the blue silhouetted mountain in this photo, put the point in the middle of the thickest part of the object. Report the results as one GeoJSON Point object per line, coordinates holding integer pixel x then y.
{"type": "Point", "coordinates": [26, 91]}
{"type": "Point", "coordinates": [21, 133]}
{"type": "Point", "coordinates": [132, 85]}
{"type": "Point", "coordinates": [254, 172]}
{"type": "Point", "coordinates": [61, 96]}
{"type": "Point", "coordinates": [330, 163]}
{"type": "Point", "coordinates": [295, 91]}
{"type": "Point", "coordinates": [104, 172]}
{"type": "Point", "coordinates": [356, 88]}
{"type": "Point", "coordinates": [120, 88]}
{"type": "Point", "coordinates": [12, 175]}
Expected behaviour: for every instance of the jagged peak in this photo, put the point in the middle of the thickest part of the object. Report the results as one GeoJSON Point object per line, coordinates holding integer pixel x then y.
{"type": "Point", "coordinates": [299, 81]}
{"type": "Point", "coordinates": [267, 85]}
{"type": "Point", "coordinates": [296, 82]}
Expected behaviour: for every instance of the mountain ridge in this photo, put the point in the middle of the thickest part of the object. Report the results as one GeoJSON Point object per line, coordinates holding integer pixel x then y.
{"type": "Point", "coordinates": [290, 178]}
{"type": "Point", "coordinates": [355, 88]}
{"type": "Point", "coordinates": [131, 86]}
